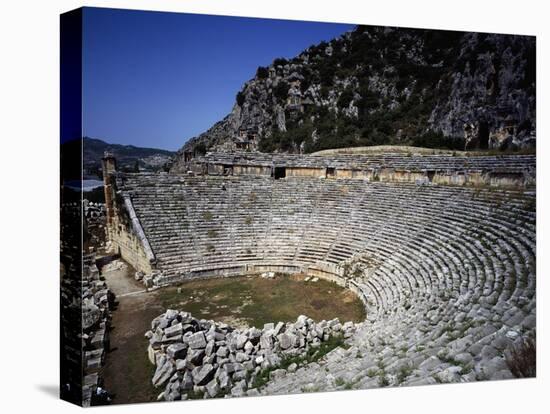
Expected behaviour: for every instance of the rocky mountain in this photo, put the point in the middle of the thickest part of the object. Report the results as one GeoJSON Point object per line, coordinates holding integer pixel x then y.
{"type": "Point", "coordinates": [128, 156]}
{"type": "Point", "coordinates": [381, 85]}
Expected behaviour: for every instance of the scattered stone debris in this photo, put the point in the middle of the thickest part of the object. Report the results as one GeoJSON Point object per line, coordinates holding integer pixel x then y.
{"type": "Point", "coordinates": [116, 265]}
{"type": "Point", "coordinates": [96, 319]}
{"type": "Point", "coordinates": [205, 358]}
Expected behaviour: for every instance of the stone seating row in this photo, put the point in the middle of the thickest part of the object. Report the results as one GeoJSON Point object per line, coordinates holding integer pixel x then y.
{"type": "Point", "coordinates": [426, 239]}
{"type": "Point", "coordinates": [444, 271]}
{"type": "Point", "coordinates": [501, 163]}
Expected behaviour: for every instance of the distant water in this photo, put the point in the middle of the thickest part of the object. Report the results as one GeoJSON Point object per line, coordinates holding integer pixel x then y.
{"type": "Point", "coordinates": [87, 185]}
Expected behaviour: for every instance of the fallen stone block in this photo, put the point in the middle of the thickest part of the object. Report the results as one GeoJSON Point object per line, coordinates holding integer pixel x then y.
{"type": "Point", "coordinates": [239, 389]}
{"type": "Point", "coordinates": [197, 341]}
{"type": "Point", "coordinates": [266, 342]}
{"type": "Point", "coordinates": [240, 340]}
{"type": "Point", "coordinates": [163, 373]}
{"type": "Point", "coordinates": [177, 351]}
{"type": "Point", "coordinates": [286, 340]}
{"type": "Point", "coordinates": [222, 352]}
{"type": "Point", "coordinates": [196, 356]}
{"type": "Point", "coordinates": [174, 330]}
{"type": "Point", "coordinates": [212, 388]}
{"type": "Point", "coordinates": [204, 374]}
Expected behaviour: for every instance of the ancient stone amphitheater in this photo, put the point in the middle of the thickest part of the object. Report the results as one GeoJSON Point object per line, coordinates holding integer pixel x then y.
{"type": "Point", "coordinates": [440, 249]}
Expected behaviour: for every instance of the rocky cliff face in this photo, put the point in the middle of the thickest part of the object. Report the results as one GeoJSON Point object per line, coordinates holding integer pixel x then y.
{"type": "Point", "coordinates": [492, 99]}
{"type": "Point", "coordinates": [377, 85]}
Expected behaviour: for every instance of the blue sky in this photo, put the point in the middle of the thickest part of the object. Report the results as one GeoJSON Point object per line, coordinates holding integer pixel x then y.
{"type": "Point", "coordinates": [157, 79]}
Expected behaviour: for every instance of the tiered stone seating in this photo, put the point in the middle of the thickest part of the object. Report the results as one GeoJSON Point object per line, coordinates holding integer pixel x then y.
{"type": "Point", "coordinates": [434, 264]}
{"type": "Point", "coordinates": [400, 161]}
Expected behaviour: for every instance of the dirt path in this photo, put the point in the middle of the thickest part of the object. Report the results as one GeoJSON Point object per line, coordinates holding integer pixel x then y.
{"type": "Point", "coordinates": [127, 371]}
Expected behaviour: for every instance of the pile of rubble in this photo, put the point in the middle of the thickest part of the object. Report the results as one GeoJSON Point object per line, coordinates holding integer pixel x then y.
{"type": "Point", "coordinates": [96, 317]}
{"type": "Point", "coordinates": [199, 358]}
{"type": "Point", "coordinates": [114, 266]}
{"type": "Point", "coordinates": [95, 224]}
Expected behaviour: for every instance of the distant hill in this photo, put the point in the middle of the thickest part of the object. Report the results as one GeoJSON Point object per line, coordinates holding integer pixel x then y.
{"type": "Point", "coordinates": [386, 86]}
{"type": "Point", "coordinates": [148, 159]}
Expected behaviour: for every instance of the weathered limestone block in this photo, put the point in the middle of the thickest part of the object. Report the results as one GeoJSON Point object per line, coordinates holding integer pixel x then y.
{"type": "Point", "coordinates": [278, 328]}
{"type": "Point", "coordinates": [196, 356]}
{"type": "Point", "coordinates": [174, 330]}
{"type": "Point", "coordinates": [202, 375]}
{"type": "Point", "coordinates": [187, 381]}
{"type": "Point", "coordinates": [224, 380]}
{"type": "Point", "coordinates": [450, 374]}
{"type": "Point", "coordinates": [163, 373]}
{"type": "Point", "coordinates": [460, 345]}
{"type": "Point", "coordinates": [239, 389]}
{"type": "Point", "coordinates": [287, 340]}
{"type": "Point", "coordinates": [212, 388]}
{"type": "Point", "coordinates": [248, 347]}
{"type": "Point", "coordinates": [222, 352]}
{"type": "Point", "coordinates": [177, 351]}
{"type": "Point", "coordinates": [266, 341]}
{"type": "Point", "coordinates": [210, 346]}
{"type": "Point", "coordinates": [240, 340]}
{"type": "Point", "coordinates": [430, 363]}
{"type": "Point", "coordinates": [197, 340]}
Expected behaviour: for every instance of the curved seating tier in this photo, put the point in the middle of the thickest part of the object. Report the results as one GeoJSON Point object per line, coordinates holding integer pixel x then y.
{"type": "Point", "coordinates": [412, 239]}
{"type": "Point", "coordinates": [431, 262]}
{"type": "Point", "coordinates": [401, 161]}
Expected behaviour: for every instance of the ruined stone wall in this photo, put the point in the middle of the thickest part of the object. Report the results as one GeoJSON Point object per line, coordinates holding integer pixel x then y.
{"type": "Point", "coordinates": [357, 174]}
{"type": "Point", "coordinates": [466, 178]}
{"type": "Point", "coordinates": [493, 179]}
{"type": "Point", "coordinates": [125, 242]}
{"type": "Point", "coordinates": [400, 176]}
{"type": "Point", "coordinates": [476, 179]}
{"type": "Point", "coordinates": [220, 169]}
{"type": "Point", "coordinates": [279, 267]}
{"type": "Point", "coordinates": [305, 172]}
{"type": "Point", "coordinates": [325, 271]}
{"type": "Point", "coordinates": [498, 179]}
{"type": "Point", "coordinates": [451, 179]}
{"type": "Point", "coordinates": [520, 170]}
{"type": "Point", "coordinates": [225, 271]}
{"type": "Point", "coordinates": [95, 224]}
{"type": "Point", "coordinates": [251, 170]}
{"type": "Point", "coordinates": [215, 169]}
{"type": "Point", "coordinates": [96, 317]}
{"type": "Point", "coordinates": [469, 178]}
{"type": "Point", "coordinates": [124, 233]}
